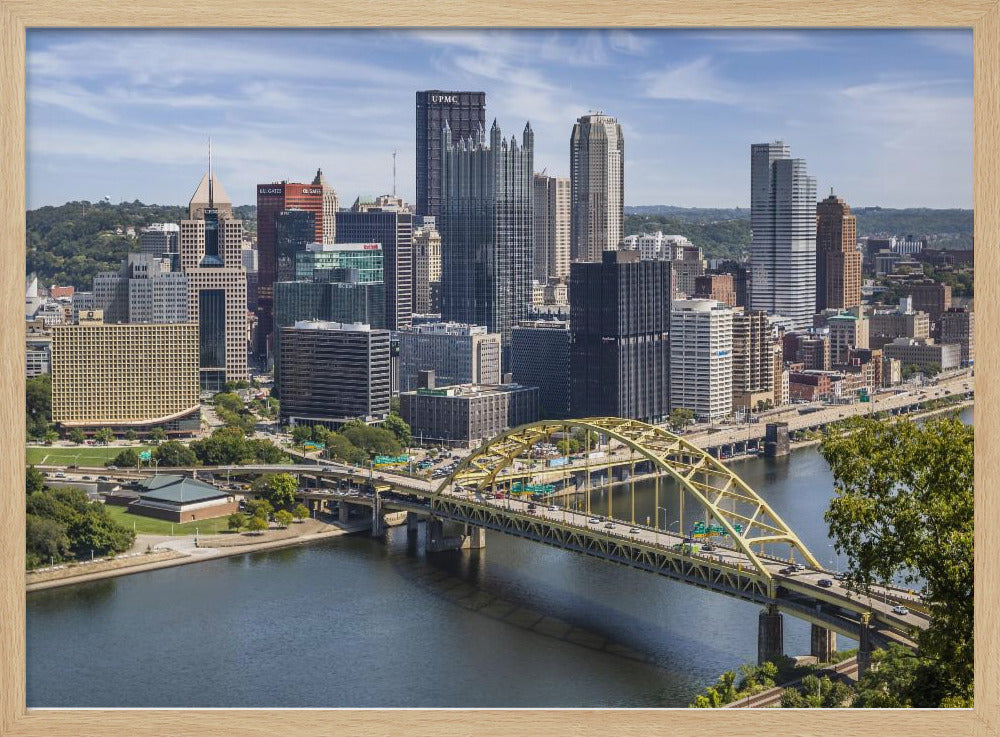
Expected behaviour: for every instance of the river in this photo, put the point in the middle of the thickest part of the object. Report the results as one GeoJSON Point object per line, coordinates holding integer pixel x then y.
{"type": "Point", "coordinates": [355, 622]}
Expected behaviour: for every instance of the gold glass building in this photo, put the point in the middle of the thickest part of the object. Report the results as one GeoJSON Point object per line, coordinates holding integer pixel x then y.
{"type": "Point", "coordinates": [125, 376]}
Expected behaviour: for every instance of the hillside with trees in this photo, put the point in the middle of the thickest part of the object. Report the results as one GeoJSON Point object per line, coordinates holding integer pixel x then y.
{"type": "Point", "coordinates": [69, 244]}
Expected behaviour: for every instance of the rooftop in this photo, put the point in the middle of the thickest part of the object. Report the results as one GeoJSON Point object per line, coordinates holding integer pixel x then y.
{"type": "Point", "coordinates": [178, 490]}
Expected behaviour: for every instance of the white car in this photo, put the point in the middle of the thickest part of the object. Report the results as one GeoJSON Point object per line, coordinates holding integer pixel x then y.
{"type": "Point", "coordinates": [900, 609]}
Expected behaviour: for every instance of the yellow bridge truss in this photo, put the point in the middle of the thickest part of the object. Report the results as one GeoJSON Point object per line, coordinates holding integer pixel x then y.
{"type": "Point", "coordinates": [748, 519]}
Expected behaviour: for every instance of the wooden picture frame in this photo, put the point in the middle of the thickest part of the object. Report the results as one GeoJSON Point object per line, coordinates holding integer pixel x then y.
{"type": "Point", "coordinates": [18, 15]}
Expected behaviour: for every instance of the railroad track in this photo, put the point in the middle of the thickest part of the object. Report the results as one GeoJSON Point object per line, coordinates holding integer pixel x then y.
{"type": "Point", "coordinates": [772, 697]}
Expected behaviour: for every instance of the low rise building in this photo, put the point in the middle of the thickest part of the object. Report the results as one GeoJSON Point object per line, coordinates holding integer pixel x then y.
{"type": "Point", "coordinates": [958, 325]}
{"type": "Point", "coordinates": [455, 352]}
{"type": "Point", "coordinates": [931, 357]}
{"type": "Point", "coordinates": [181, 499]}
{"type": "Point", "coordinates": [468, 414]}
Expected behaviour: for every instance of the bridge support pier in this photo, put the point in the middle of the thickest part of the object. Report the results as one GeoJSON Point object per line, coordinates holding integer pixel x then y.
{"type": "Point", "coordinates": [342, 513]}
{"type": "Point", "coordinates": [822, 643]}
{"type": "Point", "coordinates": [864, 646]}
{"type": "Point", "coordinates": [770, 634]}
{"type": "Point", "coordinates": [441, 536]}
{"type": "Point", "coordinates": [411, 523]}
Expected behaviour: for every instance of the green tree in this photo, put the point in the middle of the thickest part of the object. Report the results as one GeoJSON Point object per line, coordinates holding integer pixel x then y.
{"type": "Point", "coordinates": [680, 418]}
{"type": "Point", "coordinates": [904, 506]}
{"type": "Point", "coordinates": [158, 435]}
{"type": "Point", "coordinates": [125, 459]}
{"type": "Point", "coordinates": [283, 517]}
{"type": "Point", "coordinates": [236, 521]}
{"type": "Point", "coordinates": [46, 540]}
{"type": "Point", "coordinates": [76, 435]}
{"type": "Point", "coordinates": [301, 434]}
{"type": "Point", "coordinates": [372, 440]}
{"type": "Point", "coordinates": [398, 427]}
{"type": "Point", "coordinates": [174, 454]}
{"type": "Point", "coordinates": [722, 693]}
{"type": "Point", "coordinates": [259, 508]}
{"type": "Point", "coordinates": [130, 435]}
{"type": "Point", "coordinates": [38, 406]}
{"type": "Point", "coordinates": [339, 448]}
{"type": "Point", "coordinates": [279, 489]}
{"type": "Point", "coordinates": [34, 480]}
{"type": "Point", "coordinates": [301, 512]}
{"type": "Point", "coordinates": [257, 524]}
{"type": "Point", "coordinates": [104, 435]}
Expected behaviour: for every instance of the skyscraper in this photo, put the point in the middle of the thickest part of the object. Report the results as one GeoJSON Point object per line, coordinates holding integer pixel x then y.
{"type": "Point", "coordinates": [212, 259]}
{"type": "Point", "coordinates": [331, 203]}
{"type": "Point", "coordinates": [597, 186]}
{"type": "Point", "coordinates": [272, 200]}
{"type": "Point", "coordinates": [465, 113]}
{"type": "Point", "coordinates": [701, 358]}
{"type": "Point", "coordinates": [393, 228]}
{"type": "Point", "coordinates": [783, 221]}
{"type": "Point", "coordinates": [838, 261]}
{"type": "Point", "coordinates": [486, 229]}
{"type": "Point", "coordinates": [552, 197]}
{"type": "Point", "coordinates": [619, 344]}
{"type": "Point", "coordinates": [426, 270]}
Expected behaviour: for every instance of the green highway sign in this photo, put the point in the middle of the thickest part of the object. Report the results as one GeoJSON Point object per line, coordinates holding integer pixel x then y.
{"type": "Point", "coordinates": [145, 455]}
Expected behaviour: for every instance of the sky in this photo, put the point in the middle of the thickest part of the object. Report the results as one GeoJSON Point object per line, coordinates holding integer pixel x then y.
{"type": "Point", "coordinates": [884, 117]}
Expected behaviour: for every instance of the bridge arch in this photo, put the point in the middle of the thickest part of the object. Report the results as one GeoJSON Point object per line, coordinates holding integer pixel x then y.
{"type": "Point", "coordinates": [747, 518]}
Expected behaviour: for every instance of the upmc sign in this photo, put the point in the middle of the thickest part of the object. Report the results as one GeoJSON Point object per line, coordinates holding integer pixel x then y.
{"type": "Point", "coordinates": [445, 99]}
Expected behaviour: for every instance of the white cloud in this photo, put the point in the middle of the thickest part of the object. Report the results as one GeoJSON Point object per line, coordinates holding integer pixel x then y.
{"type": "Point", "coordinates": [695, 80]}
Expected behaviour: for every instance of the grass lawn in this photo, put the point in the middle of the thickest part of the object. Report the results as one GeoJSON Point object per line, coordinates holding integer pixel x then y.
{"type": "Point", "coordinates": [161, 527]}
{"type": "Point", "coordinates": [83, 455]}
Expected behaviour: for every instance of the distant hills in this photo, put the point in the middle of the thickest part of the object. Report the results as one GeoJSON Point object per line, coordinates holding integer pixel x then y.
{"type": "Point", "coordinates": [725, 233]}
{"type": "Point", "coordinates": [71, 243]}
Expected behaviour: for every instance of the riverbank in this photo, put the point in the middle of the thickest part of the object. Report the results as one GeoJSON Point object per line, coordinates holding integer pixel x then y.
{"type": "Point", "coordinates": [178, 551]}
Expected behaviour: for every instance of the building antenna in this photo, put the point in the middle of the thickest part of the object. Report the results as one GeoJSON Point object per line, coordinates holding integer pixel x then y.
{"type": "Point", "coordinates": [394, 174]}
{"type": "Point", "coordinates": [210, 198]}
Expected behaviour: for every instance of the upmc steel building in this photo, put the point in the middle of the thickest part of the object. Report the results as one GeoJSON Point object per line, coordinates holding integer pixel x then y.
{"type": "Point", "coordinates": [272, 200]}
{"type": "Point", "coordinates": [464, 112]}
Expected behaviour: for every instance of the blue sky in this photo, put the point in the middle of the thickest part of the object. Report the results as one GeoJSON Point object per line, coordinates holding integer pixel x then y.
{"type": "Point", "coordinates": [883, 117]}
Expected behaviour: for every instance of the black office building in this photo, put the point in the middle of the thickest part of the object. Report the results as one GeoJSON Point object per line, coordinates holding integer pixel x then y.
{"type": "Point", "coordinates": [465, 113]}
{"type": "Point", "coordinates": [331, 373]}
{"type": "Point", "coordinates": [539, 356]}
{"type": "Point", "coordinates": [619, 345]}
{"type": "Point", "coordinates": [293, 231]}
{"type": "Point", "coordinates": [394, 230]}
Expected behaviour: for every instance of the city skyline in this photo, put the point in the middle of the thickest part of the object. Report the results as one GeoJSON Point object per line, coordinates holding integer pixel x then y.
{"type": "Point", "coordinates": [884, 117]}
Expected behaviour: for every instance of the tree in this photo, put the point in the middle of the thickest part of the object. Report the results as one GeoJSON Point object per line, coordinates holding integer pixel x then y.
{"type": "Point", "coordinates": [174, 454]}
{"type": "Point", "coordinates": [680, 418]}
{"type": "Point", "coordinates": [904, 506]}
{"type": "Point", "coordinates": [283, 517]}
{"type": "Point", "coordinates": [104, 435]}
{"type": "Point", "coordinates": [46, 540]}
{"type": "Point", "coordinates": [158, 435]}
{"type": "Point", "coordinates": [398, 427]}
{"type": "Point", "coordinates": [236, 521]}
{"type": "Point", "coordinates": [125, 459]}
{"type": "Point", "coordinates": [300, 512]}
{"type": "Point", "coordinates": [372, 440]}
{"type": "Point", "coordinates": [130, 435]}
{"type": "Point", "coordinates": [340, 448]}
{"type": "Point", "coordinates": [301, 434]}
{"type": "Point", "coordinates": [38, 406]}
{"type": "Point", "coordinates": [259, 508]}
{"type": "Point", "coordinates": [76, 435]}
{"type": "Point", "coordinates": [34, 480]}
{"type": "Point", "coordinates": [257, 525]}
{"type": "Point", "coordinates": [279, 489]}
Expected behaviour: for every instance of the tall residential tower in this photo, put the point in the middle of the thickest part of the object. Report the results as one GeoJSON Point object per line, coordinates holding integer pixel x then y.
{"type": "Point", "coordinates": [838, 261]}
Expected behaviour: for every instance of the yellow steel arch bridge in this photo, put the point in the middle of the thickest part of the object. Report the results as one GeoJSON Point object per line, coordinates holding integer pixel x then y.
{"type": "Point", "coordinates": [747, 519]}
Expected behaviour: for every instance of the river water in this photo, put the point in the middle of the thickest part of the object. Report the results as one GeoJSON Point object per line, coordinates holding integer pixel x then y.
{"type": "Point", "coordinates": [356, 622]}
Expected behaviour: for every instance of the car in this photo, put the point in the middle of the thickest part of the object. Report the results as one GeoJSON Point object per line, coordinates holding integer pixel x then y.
{"type": "Point", "coordinates": [532, 507]}
{"type": "Point", "coordinates": [609, 525]}
{"type": "Point", "coordinates": [825, 583]}
{"type": "Point", "coordinates": [900, 609]}
{"type": "Point", "coordinates": [707, 548]}
{"type": "Point", "coordinates": [60, 475]}
{"type": "Point", "coordinates": [86, 478]}
{"type": "Point", "coordinates": [593, 521]}
{"type": "Point", "coordinates": [112, 468]}
{"type": "Point", "coordinates": [72, 466]}
{"type": "Point", "coordinates": [553, 508]}
{"type": "Point", "coordinates": [633, 530]}
{"type": "Point", "coordinates": [839, 576]}
{"type": "Point", "coordinates": [787, 569]}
